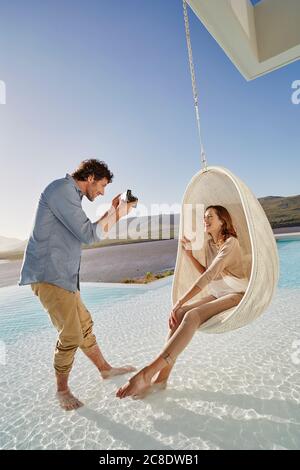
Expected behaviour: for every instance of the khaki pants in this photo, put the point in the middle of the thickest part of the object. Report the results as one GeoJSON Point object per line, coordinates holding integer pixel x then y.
{"type": "Point", "coordinates": [71, 319]}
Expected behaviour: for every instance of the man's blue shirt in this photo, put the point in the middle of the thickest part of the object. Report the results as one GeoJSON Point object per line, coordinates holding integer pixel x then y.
{"type": "Point", "coordinates": [60, 227]}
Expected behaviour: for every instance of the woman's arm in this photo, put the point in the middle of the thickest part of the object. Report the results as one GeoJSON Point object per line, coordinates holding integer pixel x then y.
{"type": "Point", "coordinates": [220, 262]}
{"type": "Point", "coordinates": [187, 249]}
{"type": "Point", "coordinates": [186, 245]}
{"type": "Point", "coordinates": [194, 290]}
{"type": "Point", "coordinates": [211, 272]}
{"type": "Point", "coordinates": [196, 263]}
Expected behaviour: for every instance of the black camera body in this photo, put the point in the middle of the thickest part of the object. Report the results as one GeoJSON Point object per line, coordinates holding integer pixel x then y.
{"type": "Point", "coordinates": [129, 197]}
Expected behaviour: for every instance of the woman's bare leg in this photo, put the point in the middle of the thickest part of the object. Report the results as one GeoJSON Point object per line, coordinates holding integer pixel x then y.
{"type": "Point", "coordinates": [177, 343]}
{"type": "Point", "coordinates": [164, 373]}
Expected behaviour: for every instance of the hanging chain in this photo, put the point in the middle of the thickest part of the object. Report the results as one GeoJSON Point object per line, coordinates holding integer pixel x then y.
{"type": "Point", "coordinates": [193, 77]}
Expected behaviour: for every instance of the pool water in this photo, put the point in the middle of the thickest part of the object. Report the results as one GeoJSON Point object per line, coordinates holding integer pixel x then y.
{"type": "Point", "coordinates": [239, 390]}
{"type": "Point", "coordinates": [289, 255]}
{"type": "Point", "coordinates": [22, 313]}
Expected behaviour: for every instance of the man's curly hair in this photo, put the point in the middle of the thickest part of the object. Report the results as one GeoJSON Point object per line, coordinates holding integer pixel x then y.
{"type": "Point", "coordinates": [92, 167]}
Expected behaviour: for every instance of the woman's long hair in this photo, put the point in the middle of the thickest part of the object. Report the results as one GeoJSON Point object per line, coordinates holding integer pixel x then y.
{"type": "Point", "coordinates": [227, 229]}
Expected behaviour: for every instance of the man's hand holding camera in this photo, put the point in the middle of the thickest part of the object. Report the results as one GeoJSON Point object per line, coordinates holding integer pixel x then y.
{"type": "Point", "coordinates": [120, 207]}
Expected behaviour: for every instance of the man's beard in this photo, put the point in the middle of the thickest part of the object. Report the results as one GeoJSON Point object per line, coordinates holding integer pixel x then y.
{"type": "Point", "coordinates": [90, 198]}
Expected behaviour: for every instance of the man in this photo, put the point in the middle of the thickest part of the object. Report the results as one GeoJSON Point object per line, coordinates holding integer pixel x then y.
{"type": "Point", "coordinates": [52, 260]}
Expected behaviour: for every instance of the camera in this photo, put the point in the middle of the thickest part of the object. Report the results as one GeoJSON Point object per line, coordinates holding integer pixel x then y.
{"type": "Point", "coordinates": [129, 197]}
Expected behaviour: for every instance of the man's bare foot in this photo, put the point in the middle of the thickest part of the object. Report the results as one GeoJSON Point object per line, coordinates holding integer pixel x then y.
{"type": "Point", "coordinates": [113, 371]}
{"type": "Point", "coordinates": [138, 384]}
{"type": "Point", "coordinates": [67, 400]}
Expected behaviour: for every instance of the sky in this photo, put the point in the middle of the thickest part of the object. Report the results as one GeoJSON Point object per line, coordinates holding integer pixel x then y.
{"type": "Point", "coordinates": [110, 80]}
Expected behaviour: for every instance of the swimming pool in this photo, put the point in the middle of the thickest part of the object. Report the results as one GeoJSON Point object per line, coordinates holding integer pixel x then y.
{"type": "Point", "coordinates": [239, 390]}
{"type": "Point", "coordinates": [289, 256]}
{"type": "Point", "coordinates": [22, 313]}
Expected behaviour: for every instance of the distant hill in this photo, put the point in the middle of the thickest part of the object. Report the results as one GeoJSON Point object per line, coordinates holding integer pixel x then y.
{"type": "Point", "coordinates": [282, 211]}
{"type": "Point", "coordinates": [139, 229]}
{"type": "Point", "coordinates": [11, 244]}
{"type": "Point", "coordinates": [154, 227]}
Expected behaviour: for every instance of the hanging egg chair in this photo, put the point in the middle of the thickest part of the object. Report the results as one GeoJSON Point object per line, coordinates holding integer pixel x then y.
{"type": "Point", "coordinates": [218, 186]}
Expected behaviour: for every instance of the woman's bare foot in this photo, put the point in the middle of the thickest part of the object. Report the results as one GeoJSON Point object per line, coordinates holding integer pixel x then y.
{"type": "Point", "coordinates": [153, 388]}
{"type": "Point", "coordinates": [113, 371]}
{"type": "Point", "coordinates": [137, 385]}
{"type": "Point", "coordinates": [163, 375]}
{"type": "Point", "coordinates": [67, 400]}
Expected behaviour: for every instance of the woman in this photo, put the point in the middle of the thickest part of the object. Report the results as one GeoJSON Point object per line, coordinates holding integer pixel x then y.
{"type": "Point", "coordinates": [226, 283]}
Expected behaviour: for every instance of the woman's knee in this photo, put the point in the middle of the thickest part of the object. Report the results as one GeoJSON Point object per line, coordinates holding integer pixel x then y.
{"type": "Point", "coordinates": [180, 313]}
{"type": "Point", "coordinates": [192, 317]}
{"type": "Point", "coordinates": [174, 328]}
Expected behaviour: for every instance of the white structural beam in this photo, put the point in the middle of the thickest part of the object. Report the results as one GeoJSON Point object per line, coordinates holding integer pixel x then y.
{"type": "Point", "coordinates": [257, 39]}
